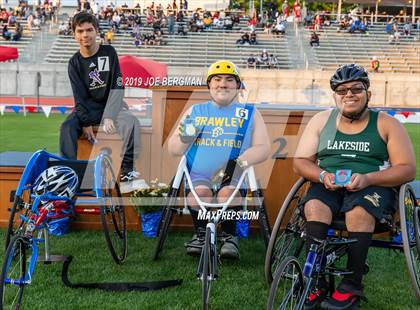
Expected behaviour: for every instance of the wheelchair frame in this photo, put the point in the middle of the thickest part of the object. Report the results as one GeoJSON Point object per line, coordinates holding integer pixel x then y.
{"type": "Point", "coordinates": [207, 266]}
{"type": "Point", "coordinates": [26, 220]}
{"type": "Point", "coordinates": [288, 237]}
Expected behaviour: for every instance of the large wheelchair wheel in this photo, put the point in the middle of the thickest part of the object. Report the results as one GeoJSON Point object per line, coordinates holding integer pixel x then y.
{"type": "Point", "coordinates": [113, 213]}
{"type": "Point", "coordinates": [287, 235]}
{"type": "Point", "coordinates": [410, 229]}
{"type": "Point", "coordinates": [287, 288]}
{"type": "Point", "coordinates": [21, 205]}
{"type": "Point", "coordinates": [13, 272]}
{"type": "Point", "coordinates": [165, 221]}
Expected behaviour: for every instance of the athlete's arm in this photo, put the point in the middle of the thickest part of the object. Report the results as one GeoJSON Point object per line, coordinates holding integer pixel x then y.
{"type": "Point", "coordinates": [116, 94]}
{"type": "Point", "coordinates": [401, 157]}
{"type": "Point", "coordinates": [260, 149]}
{"type": "Point", "coordinates": [175, 146]}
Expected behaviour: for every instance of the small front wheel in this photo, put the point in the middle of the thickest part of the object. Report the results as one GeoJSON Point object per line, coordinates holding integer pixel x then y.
{"type": "Point", "coordinates": [13, 272]}
{"type": "Point", "coordinates": [287, 287]}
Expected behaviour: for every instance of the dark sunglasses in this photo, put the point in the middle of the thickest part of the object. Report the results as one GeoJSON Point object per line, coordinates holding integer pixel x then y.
{"type": "Point", "coordinates": [358, 89]}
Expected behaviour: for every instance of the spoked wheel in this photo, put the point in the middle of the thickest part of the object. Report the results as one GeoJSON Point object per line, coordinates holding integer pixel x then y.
{"type": "Point", "coordinates": [21, 205]}
{"type": "Point", "coordinates": [113, 214]}
{"type": "Point", "coordinates": [410, 228]}
{"type": "Point", "coordinates": [207, 274]}
{"type": "Point", "coordinates": [286, 238]}
{"type": "Point", "coordinates": [13, 272]}
{"type": "Point", "coordinates": [287, 288]}
{"type": "Point", "coordinates": [165, 221]}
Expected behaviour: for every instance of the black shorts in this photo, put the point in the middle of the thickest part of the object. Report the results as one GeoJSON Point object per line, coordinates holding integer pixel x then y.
{"type": "Point", "coordinates": [378, 201]}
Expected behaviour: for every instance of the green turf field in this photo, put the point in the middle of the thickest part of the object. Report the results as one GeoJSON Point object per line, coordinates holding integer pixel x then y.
{"type": "Point", "coordinates": [241, 285]}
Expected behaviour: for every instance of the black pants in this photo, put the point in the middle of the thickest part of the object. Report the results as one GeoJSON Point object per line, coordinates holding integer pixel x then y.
{"type": "Point", "coordinates": [128, 127]}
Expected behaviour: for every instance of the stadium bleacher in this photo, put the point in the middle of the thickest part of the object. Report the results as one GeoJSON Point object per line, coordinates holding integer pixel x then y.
{"type": "Point", "coordinates": [196, 49]}
{"type": "Point", "coordinates": [24, 42]}
{"type": "Point", "coordinates": [343, 47]}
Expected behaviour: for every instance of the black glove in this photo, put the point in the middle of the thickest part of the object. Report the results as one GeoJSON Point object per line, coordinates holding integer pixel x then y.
{"type": "Point", "coordinates": [187, 131]}
{"type": "Point", "coordinates": [228, 172]}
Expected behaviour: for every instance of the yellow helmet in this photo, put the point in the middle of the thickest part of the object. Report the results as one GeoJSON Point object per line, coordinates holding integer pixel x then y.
{"type": "Point", "coordinates": [223, 67]}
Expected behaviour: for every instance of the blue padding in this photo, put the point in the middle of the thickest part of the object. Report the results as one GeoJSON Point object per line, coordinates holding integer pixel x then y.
{"type": "Point", "coordinates": [14, 159]}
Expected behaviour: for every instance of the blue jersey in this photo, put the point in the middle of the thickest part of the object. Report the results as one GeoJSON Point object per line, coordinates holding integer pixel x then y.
{"type": "Point", "coordinates": [224, 132]}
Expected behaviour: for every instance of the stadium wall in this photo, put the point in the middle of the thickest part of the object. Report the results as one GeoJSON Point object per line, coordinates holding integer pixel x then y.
{"type": "Point", "coordinates": [300, 87]}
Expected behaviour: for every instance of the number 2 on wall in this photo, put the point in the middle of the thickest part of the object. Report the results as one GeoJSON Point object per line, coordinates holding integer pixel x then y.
{"type": "Point", "coordinates": [278, 153]}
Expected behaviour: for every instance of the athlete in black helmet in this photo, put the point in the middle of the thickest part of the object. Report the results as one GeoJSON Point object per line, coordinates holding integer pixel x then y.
{"type": "Point", "coordinates": [351, 73]}
{"type": "Point", "coordinates": [370, 153]}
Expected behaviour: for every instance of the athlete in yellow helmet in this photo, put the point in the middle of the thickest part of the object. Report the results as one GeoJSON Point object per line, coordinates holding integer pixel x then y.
{"type": "Point", "coordinates": [220, 133]}
{"type": "Point", "coordinates": [223, 67]}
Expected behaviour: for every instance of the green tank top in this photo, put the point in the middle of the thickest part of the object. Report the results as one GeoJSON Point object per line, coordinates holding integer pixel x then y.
{"type": "Point", "coordinates": [363, 152]}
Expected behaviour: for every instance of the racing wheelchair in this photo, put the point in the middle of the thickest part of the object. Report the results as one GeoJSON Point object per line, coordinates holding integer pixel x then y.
{"type": "Point", "coordinates": [290, 271]}
{"type": "Point", "coordinates": [207, 266]}
{"type": "Point", "coordinates": [87, 183]}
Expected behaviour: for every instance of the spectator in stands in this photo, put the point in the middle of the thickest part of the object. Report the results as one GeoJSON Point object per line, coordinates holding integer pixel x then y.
{"type": "Point", "coordinates": [199, 25]}
{"type": "Point", "coordinates": [251, 61]}
{"type": "Point", "coordinates": [6, 34]}
{"type": "Point", "coordinates": [171, 23]}
{"type": "Point", "coordinates": [109, 36]}
{"type": "Point", "coordinates": [253, 38]}
{"type": "Point", "coordinates": [285, 9]}
{"type": "Point", "coordinates": [407, 29]}
{"type": "Point", "coordinates": [180, 17]}
{"type": "Point", "coordinates": [18, 32]}
{"type": "Point", "coordinates": [63, 29]}
{"type": "Point", "coordinates": [252, 23]}
{"type": "Point", "coordinates": [217, 22]}
{"type": "Point", "coordinates": [279, 28]}
{"type": "Point", "coordinates": [318, 22]}
{"type": "Point", "coordinates": [314, 40]}
{"type": "Point", "coordinates": [208, 22]}
{"type": "Point", "coordinates": [149, 19]}
{"type": "Point", "coordinates": [264, 58]}
{"type": "Point", "coordinates": [374, 63]}
{"type": "Point", "coordinates": [4, 16]}
{"type": "Point", "coordinates": [37, 22]}
{"type": "Point", "coordinates": [273, 61]}
{"type": "Point", "coordinates": [244, 40]}
{"type": "Point", "coordinates": [181, 30]}
{"type": "Point", "coordinates": [297, 11]}
{"type": "Point", "coordinates": [137, 40]}
{"type": "Point", "coordinates": [308, 21]}
{"type": "Point", "coordinates": [228, 23]}
{"type": "Point", "coordinates": [11, 21]}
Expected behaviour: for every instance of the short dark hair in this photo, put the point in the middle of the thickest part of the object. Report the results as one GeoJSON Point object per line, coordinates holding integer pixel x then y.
{"type": "Point", "coordinates": [84, 17]}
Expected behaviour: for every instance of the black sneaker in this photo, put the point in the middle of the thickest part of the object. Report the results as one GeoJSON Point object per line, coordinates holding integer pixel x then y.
{"type": "Point", "coordinates": [341, 299]}
{"type": "Point", "coordinates": [195, 245]}
{"type": "Point", "coordinates": [129, 176]}
{"type": "Point", "coordinates": [230, 247]}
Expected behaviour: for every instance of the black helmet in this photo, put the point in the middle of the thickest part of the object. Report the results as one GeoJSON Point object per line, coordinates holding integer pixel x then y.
{"type": "Point", "coordinates": [349, 73]}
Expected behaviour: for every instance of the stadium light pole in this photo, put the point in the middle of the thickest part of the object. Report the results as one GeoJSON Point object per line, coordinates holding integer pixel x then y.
{"type": "Point", "coordinates": [339, 10]}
